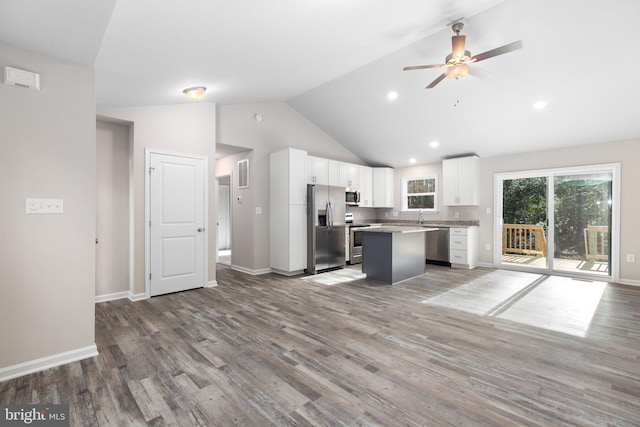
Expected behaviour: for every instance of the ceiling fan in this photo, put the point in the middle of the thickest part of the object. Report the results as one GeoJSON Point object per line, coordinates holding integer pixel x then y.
{"type": "Point", "coordinates": [456, 64]}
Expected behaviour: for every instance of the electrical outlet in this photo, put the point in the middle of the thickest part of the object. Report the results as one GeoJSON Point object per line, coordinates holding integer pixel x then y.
{"type": "Point", "coordinates": [456, 214]}
{"type": "Point", "coordinates": [487, 246]}
{"type": "Point", "coordinates": [631, 257]}
{"type": "Point", "coordinates": [386, 214]}
{"type": "Point", "coordinates": [488, 211]}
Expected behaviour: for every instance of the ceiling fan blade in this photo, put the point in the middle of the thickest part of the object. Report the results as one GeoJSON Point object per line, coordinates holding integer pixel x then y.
{"type": "Point", "coordinates": [422, 67]}
{"type": "Point", "coordinates": [457, 44]}
{"type": "Point", "coordinates": [497, 51]}
{"type": "Point", "coordinates": [440, 78]}
{"type": "Point", "coordinates": [479, 72]}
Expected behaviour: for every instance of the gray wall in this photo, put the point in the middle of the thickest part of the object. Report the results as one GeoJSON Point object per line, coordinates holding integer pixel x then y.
{"type": "Point", "coordinates": [112, 196]}
{"type": "Point", "coordinates": [184, 128]}
{"type": "Point", "coordinates": [47, 265]}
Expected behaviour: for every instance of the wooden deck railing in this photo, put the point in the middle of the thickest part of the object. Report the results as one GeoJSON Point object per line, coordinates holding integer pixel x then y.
{"type": "Point", "coordinates": [596, 239]}
{"type": "Point", "coordinates": [524, 239]}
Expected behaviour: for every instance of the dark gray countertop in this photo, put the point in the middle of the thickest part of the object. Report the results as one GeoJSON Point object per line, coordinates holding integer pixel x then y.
{"type": "Point", "coordinates": [399, 229]}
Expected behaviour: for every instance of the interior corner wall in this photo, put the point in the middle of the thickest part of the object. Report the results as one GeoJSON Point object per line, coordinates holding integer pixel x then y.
{"type": "Point", "coordinates": [112, 218]}
{"type": "Point", "coordinates": [281, 126]}
{"type": "Point", "coordinates": [242, 211]}
{"type": "Point", "coordinates": [181, 128]}
{"type": "Point", "coordinates": [47, 261]}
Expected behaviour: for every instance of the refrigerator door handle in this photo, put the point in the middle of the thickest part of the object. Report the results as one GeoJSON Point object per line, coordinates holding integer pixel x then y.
{"type": "Point", "coordinates": [330, 215]}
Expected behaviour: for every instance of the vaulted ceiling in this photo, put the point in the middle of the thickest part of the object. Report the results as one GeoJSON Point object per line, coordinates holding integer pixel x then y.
{"type": "Point", "coordinates": [336, 60]}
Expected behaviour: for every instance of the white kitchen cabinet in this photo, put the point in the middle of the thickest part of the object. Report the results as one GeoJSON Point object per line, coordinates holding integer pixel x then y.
{"type": "Point", "coordinates": [288, 211]}
{"type": "Point", "coordinates": [366, 186]}
{"type": "Point", "coordinates": [383, 182]}
{"type": "Point", "coordinates": [463, 247]}
{"type": "Point", "coordinates": [350, 176]}
{"type": "Point", "coordinates": [460, 178]}
{"type": "Point", "coordinates": [317, 170]}
{"type": "Point", "coordinates": [334, 172]}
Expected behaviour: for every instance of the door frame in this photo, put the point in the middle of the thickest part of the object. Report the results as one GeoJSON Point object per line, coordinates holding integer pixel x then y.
{"type": "Point", "coordinates": [217, 194]}
{"type": "Point", "coordinates": [147, 212]}
{"type": "Point", "coordinates": [614, 168]}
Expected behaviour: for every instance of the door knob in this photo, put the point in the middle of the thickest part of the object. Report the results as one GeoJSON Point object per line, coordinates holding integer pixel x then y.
{"type": "Point", "coordinates": [200, 229]}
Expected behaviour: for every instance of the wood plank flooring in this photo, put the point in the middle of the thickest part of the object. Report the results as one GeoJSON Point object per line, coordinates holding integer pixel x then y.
{"type": "Point", "coordinates": [270, 350]}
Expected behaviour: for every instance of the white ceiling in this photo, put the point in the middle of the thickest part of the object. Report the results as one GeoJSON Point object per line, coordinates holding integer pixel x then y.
{"type": "Point", "coordinates": [335, 61]}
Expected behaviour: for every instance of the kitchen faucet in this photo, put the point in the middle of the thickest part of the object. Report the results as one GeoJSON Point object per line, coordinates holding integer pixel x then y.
{"type": "Point", "coordinates": [420, 219]}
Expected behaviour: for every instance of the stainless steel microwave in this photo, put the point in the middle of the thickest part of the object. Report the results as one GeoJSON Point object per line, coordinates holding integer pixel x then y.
{"type": "Point", "coordinates": [352, 198]}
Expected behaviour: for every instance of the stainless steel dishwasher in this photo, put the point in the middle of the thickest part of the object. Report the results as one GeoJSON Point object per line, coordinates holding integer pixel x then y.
{"type": "Point", "coordinates": [437, 246]}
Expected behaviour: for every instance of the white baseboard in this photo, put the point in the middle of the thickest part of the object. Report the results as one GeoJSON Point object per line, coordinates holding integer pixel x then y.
{"type": "Point", "coordinates": [287, 273]}
{"type": "Point", "coordinates": [211, 284]}
{"type": "Point", "coordinates": [629, 282]}
{"type": "Point", "coordinates": [112, 297]}
{"type": "Point", "coordinates": [136, 297]}
{"type": "Point", "coordinates": [43, 363]}
{"type": "Point", "coordinates": [249, 271]}
{"type": "Point", "coordinates": [486, 265]}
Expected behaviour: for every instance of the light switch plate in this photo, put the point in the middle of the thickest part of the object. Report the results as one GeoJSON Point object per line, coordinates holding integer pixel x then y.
{"type": "Point", "coordinates": [44, 206]}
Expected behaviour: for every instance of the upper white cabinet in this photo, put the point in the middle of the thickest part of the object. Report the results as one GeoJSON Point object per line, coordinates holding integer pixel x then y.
{"type": "Point", "coordinates": [350, 176]}
{"type": "Point", "coordinates": [460, 181]}
{"type": "Point", "coordinates": [334, 172]}
{"type": "Point", "coordinates": [317, 170]}
{"type": "Point", "coordinates": [323, 171]}
{"type": "Point", "coordinates": [366, 186]}
{"type": "Point", "coordinates": [383, 187]}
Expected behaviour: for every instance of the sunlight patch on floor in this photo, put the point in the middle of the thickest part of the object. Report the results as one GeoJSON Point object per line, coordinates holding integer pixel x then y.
{"type": "Point", "coordinates": [483, 295]}
{"type": "Point", "coordinates": [336, 277]}
{"type": "Point", "coordinates": [559, 304]}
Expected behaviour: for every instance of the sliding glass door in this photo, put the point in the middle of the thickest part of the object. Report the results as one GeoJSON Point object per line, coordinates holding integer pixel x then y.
{"type": "Point", "coordinates": [558, 220]}
{"type": "Point", "coordinates": [582, 222]}
{"type": "Point", "coordinates": [524, 221]}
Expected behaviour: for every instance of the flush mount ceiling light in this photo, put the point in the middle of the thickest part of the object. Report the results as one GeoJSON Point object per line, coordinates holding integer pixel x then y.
{"type": "Point", "coordinates": [392, 95]}
{"type": "Point", "coordinates": [412, 161]}
{"type": "Point", "coordinates": [195, 93]}
{"type": "Point", "coordinates": [434, 144]}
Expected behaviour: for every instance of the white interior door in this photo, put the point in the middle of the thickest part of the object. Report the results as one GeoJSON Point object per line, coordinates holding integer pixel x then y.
{"type": "Point", "coordinates": [177, 223]}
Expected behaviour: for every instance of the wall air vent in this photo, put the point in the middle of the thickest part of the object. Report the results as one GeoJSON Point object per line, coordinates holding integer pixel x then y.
{"type": "Point", "coordinates": [22, 78]}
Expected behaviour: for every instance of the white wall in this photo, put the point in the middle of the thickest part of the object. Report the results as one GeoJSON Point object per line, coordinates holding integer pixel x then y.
{"type": "Point", "coordinates": [282, 126]}
{"type": "Point", "coordinates": [47, 262]}
{"type": "Point", "coordinates": [112, 220]}
{"type": "Point", "coordinates": [184, 128]}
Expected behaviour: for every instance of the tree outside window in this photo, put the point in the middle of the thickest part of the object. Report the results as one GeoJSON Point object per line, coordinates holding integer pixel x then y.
{"type": "Point", "coordinates": [419, 193]}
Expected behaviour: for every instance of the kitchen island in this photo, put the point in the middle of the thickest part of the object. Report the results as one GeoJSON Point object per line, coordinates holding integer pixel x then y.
{"type": "Point", "coordinates": [392, 254]}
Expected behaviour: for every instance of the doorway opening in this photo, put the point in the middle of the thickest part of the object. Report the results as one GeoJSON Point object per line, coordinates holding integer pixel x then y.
{"type": "Point", "coordinates": [561, 221]}
{"type": "Point", "coordinates": [224, 219]}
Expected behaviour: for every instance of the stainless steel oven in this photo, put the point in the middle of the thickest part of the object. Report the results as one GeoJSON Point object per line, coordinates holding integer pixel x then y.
{"type": "Point", "coordinates": [355, 242]}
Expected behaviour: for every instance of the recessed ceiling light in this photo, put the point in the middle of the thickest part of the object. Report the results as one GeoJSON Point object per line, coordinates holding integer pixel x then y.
{"type": "Point", "coordinates": [539, 105]}
{"type": "Point", "coordinates": [434, 144]}
{"type": "Point", "coordinates": [412, 161]}
{"type": "Point", "coordinates": [392, 95]}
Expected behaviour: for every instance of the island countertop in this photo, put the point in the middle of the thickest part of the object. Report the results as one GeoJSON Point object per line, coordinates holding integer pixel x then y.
{"type": "Point", "coordinates": [399, 229]}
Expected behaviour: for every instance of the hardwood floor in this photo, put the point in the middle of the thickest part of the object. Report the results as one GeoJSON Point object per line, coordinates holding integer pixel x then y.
{"type": "Point", "coordinates": [270, 350]}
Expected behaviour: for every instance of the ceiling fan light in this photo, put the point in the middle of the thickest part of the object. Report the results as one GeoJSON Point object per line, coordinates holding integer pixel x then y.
{"type": "Point", "coordinates": [457, 71]}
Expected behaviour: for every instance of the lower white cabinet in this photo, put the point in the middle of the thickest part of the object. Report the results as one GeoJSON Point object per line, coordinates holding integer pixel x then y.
{"type": "Point", "coordinates": [463, 247]}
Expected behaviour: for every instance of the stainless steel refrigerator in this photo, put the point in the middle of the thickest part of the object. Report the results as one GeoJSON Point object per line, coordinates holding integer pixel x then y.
{"type": "Point", "coordinates": [325, 227]}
